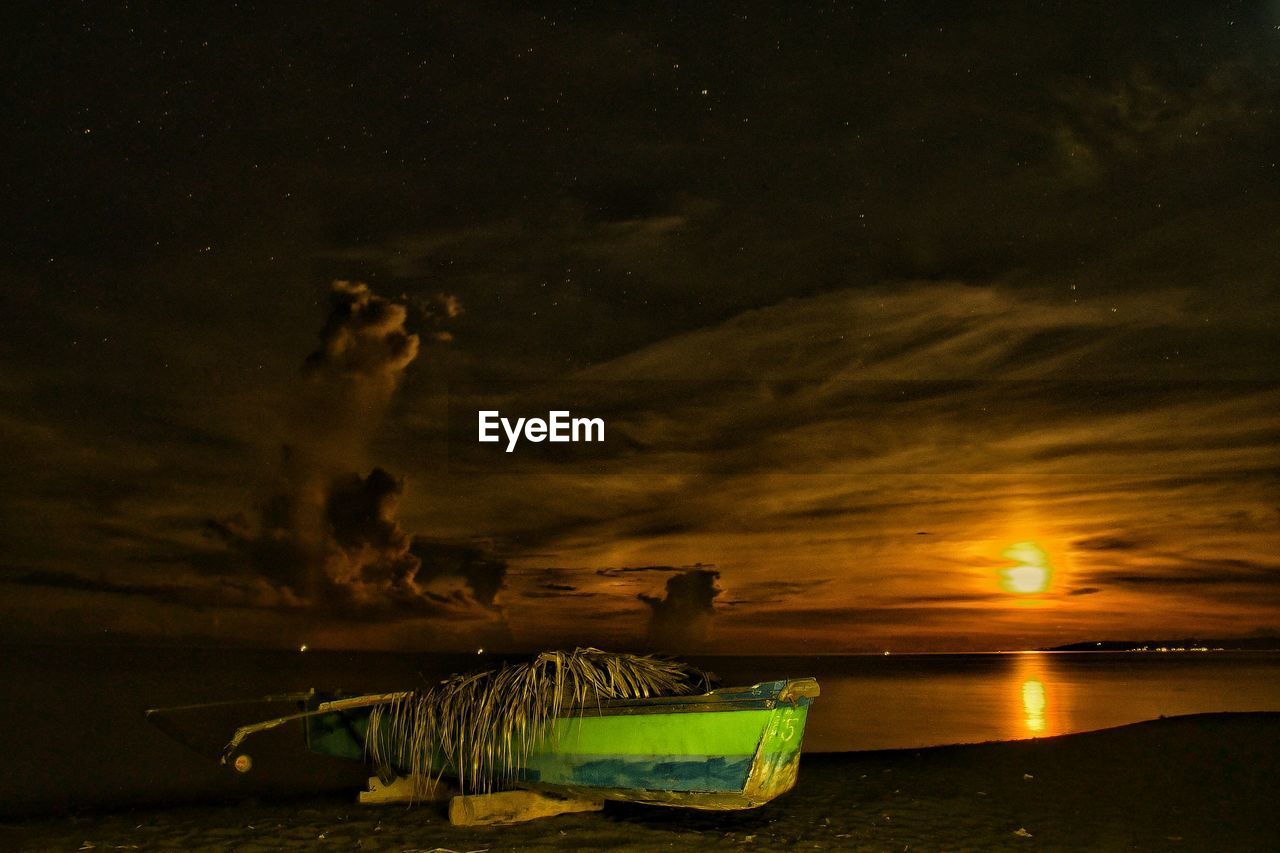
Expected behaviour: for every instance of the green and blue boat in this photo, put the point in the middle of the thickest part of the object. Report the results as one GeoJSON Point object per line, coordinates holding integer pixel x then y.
{"type": "Point", "coordinates": [585, 725]}
{"type": "Point", "coordinates": [733, 748]}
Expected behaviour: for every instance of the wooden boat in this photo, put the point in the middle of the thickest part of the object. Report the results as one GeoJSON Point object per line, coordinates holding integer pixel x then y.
{"type": "Point", "coordinates": [583, 726]}
{"type": "Point", "coordinates": [733, 748]}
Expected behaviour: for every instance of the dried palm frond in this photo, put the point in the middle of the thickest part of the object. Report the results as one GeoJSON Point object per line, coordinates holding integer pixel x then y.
{"type": "Point", "coordinates": [482, 727]}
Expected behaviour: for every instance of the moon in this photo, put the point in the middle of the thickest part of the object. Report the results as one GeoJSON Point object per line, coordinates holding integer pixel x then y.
{"type": "Point", "coordinates": [1032, 572]}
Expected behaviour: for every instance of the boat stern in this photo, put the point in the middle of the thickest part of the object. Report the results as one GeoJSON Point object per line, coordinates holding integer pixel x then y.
{"type": "Point", "coordinates": [776, 765]}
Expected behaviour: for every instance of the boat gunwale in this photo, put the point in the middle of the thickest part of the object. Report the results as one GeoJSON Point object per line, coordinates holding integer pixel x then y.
{"type": "Point", "coordinates": [762, 696]}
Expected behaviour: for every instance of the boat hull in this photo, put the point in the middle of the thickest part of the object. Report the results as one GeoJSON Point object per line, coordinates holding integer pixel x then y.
{"type": "Point", "coordinates": [728, 749]}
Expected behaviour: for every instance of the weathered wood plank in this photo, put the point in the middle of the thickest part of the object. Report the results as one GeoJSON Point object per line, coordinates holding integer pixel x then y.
{"type": "Point", "coordinates": [404, 790]}
{"type": "Point", "coordinates": [513, 807]}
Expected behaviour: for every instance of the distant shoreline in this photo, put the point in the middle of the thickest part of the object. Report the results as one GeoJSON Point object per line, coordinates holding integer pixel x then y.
{"type": "Point", "coordinates": [1184, 644]}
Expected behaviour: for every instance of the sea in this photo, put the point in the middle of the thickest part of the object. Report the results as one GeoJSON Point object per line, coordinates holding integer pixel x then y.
{"type": "Point", "coordinates": [77, 736]}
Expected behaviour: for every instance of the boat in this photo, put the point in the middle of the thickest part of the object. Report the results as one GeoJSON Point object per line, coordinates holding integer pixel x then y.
{"type": "Point", "coordinates": [731, 748]}
{"type": "Point", "coordinates": [587, 727]}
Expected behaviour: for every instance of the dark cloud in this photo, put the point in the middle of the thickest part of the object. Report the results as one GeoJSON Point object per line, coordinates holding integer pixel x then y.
{"type": "Point", "coordinates": [557, 591]}
{"type": "Point", "coordinates": [821, 619]}
{"type": "Point", "coordinates": [328, 538]}
{"type": "Point", "coordinates": [1105, 543]}
{"type": "Point", "coordinates": [1159, 577]}
{"type": "Point", "coordinates": [661, 527]}
{"type": "Point", "coordinates": [620, 571]}
{"type": "Point", "coordinates": [551, 584]}
{"type": "Point", "coordinates": [1224, 575]}
{"type": "Point", "coordinates": [360, 511]}
{"type": "Point", "coordinates": [333, 544]}
{"type": "Point", "coordinates": [364, 339]}
{"type": "Point", "coordinates": [774, 591]}
{"type": "Point", "coordinates": [193, 593]}
{"type": "Point", "coordinates": [946, 598]}
{"type": "Point", "coordinates": [1085, 590]}
{"type": "Point", "coordinates": [81, 583]}
{"type": "Point", "coordinates": [477, 567]}
{"type": "Point", "coordinates": [681, 618]}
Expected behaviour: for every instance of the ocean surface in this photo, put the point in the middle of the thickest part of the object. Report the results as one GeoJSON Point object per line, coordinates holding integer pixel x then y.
{"type": "Point", "coordinates": [77, 736]}
{"type": "Point", "coordinates": [904, 701]}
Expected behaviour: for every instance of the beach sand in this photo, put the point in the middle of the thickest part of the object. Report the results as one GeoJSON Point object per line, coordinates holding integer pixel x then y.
{"type": "Point", "coordinates": [1203, 782]}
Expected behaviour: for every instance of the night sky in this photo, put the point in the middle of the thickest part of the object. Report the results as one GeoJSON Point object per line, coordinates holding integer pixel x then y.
{"type": "Point", "coordinates": [914, 327]}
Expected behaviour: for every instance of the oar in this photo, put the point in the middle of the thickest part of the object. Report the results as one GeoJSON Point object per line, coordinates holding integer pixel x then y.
{"type": "Point", "coordinates": [323, 708]}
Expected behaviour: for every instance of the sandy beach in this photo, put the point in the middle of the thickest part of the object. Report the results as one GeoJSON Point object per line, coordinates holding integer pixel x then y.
{"type": "Point", "coordinates": [1203, 782]}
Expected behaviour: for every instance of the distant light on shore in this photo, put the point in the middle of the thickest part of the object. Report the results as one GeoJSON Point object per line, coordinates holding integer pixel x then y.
{"type": "Point", "coordinates": [302, 648]}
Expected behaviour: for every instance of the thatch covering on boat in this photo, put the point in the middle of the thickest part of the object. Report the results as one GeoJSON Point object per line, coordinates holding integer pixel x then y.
{"type": "Point", "coordinates": [483, 726]}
